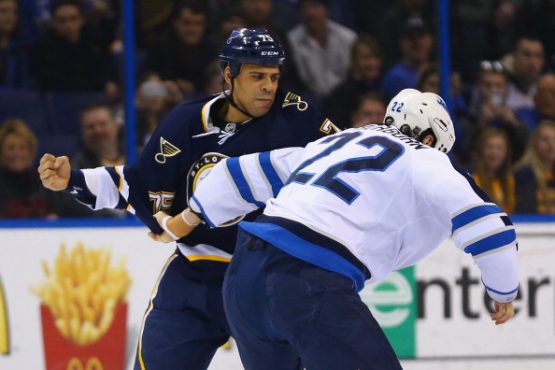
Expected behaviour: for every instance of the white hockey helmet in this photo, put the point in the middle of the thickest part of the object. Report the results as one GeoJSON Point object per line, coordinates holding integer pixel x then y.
{"type": "Point", "coordinates": [418, 114]}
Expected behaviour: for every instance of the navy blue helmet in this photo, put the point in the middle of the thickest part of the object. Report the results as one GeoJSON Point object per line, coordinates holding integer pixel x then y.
{"type": "Point", "coordinates": [251, 46]}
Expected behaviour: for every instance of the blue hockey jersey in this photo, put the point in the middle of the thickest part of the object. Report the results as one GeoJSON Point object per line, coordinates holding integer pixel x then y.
{"type": "Point", "coordinates": [185, 146]}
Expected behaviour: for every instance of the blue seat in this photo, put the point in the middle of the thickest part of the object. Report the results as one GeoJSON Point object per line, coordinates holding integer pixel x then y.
{"type": "Point", "coordinates": [26, 105]}
{"type": "Point", "coordinates": [64, 110]}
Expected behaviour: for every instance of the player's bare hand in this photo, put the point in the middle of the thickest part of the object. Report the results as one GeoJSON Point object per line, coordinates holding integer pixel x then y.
{"type": "Point", "coordinates": [54, 172]}
{"type": "Point", "coordinates": [163, 238]}
{"type": "Point", "coordinates": [175, 227]}
{"type": "Point", "coordinates": [167, 236]}
{"type": "Point", "coordinates": [503, 313]}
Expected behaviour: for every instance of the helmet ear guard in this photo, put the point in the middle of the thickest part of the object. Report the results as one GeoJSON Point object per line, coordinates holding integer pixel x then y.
{"type": "Point", "coordinates": [405, 129]}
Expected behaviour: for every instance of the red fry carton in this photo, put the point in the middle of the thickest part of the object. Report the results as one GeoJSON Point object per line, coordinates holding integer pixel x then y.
{"type": "Point", "coordinates": [108, 353]}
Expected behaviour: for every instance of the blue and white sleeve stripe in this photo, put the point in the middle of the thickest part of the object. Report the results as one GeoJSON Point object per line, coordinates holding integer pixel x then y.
{"type": "Point", "coordinates": [498, 292]}
{"type": "Point", "coordinates": [270, 172]}
{"type": "Point", "coordinates": [493, 240]}
{"type": "Point", "coordinates": [240, 181]}
{"type": "Point", "coordinates": [481, 228]}
{"type": "Point", "coordinates": [105, 183]}
{"type": "Point", "coordinates": [474, 213]}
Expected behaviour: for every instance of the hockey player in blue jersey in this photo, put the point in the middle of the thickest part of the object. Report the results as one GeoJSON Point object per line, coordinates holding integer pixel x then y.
{"type": "Point", "coordinates": [185, 322]}
{"type": "Point", "coordinates": [345, 210]}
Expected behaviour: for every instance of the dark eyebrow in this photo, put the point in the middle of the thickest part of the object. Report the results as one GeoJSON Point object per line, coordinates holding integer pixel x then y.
{"type": "Point", "coordinates": [264, 73]}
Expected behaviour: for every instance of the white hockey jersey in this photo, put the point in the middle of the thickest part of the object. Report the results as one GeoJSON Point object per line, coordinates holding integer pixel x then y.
{"type": "Point", "coordinates": [363, 203]}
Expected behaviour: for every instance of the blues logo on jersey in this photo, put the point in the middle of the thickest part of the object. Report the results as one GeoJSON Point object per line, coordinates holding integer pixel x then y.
{"type": "Point", "coordinates": [199, 170]}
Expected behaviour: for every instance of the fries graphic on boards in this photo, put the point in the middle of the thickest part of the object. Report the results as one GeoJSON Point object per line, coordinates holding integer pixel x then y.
{"type": "Point", "coordinates": [82, 290]}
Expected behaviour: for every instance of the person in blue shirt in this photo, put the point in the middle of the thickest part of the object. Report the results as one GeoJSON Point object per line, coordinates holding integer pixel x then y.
{"type": "Point", "coordinates": [185, 321]}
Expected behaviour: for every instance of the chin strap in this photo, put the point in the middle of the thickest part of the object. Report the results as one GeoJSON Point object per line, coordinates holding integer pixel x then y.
{"type": "Point", "coordinates": [229, 98]}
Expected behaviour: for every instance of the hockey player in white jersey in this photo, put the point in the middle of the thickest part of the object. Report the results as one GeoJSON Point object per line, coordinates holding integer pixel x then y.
{"type": "Point", "coordinates": [344, 211]}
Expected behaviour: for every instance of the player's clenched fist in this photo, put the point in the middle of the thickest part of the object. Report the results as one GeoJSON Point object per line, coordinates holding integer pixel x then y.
{"type": "Point", "coordinates": [503, 313]}
{"type": "Point", "coordinates": [54, 172]}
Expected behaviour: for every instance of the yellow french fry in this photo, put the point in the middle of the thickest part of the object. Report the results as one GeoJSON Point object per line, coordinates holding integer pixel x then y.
{"type": "Point", "coordinates": [84, 337]}
{"type": "Point", "coordinates": [94, 334]}
{"type": "Point", "coordinates": [45, 268]}
{"type": "Point", "coordinates": [107, 316]}
{"type": "Point", "coordinates": [82, 289]}
{"type": "Point", "coordinates": [62, 326]}
{"type": "Point", "coordinates": [74, 328]}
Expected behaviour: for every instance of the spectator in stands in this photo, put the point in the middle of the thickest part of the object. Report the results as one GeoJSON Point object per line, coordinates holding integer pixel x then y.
{"type": "Point", "coordinates": [229, 19]}
{"type": "Point", "coordinates": [257, 13]}
{"type": "Point", "coordinates": [363, 10]}
{"type": "Point", "coordinates": [489, 98]}
{"type": "Point", "coordinates": [391, 25]}
{"type": "Point", "coordinates": [364, 77]}
{"type": "Point", "coordinates": [416, 44]}
{"type": "Point", "coordinates": [320, 47]}
{"type": "Point", "coordinates": [370, 109]}
{"type": "Point", "coordinates": [544, 103]}
{"type": "Point", "coordinates": [100, 136]}
{"type": "Point", "coordinates": [13, 56]}
{"type": "Point", "coordinates": [489, 108]}
{"type": "Point", "coordinates": [428, 81]}
{"type": "Point", "coordinates": [524, 66]}
{"type": "Point", "coordinates": [493, 170]}
{"type": "Point", "coordinates": [214, 81]}
{"type": "Point", "coordinates": [153, 101]}
{"type": "Point", "coordinates": [535, 174]}
{"type": "Point", "coordinates": [481, 30]}
{"type": "Point", "coordinates": [184, 52]}
{"type": "Point", "coordinates": [101, 147]}
{"type": "Point", "coordinates": [538, 17]}
{"type": "Point", "coordinates": [69, 58]}
{"type": "Point", "coordinates": [21, 192]}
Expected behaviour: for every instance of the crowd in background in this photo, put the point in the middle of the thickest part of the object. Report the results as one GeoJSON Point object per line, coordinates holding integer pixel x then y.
{"type": "Point", "coordinates": [61, 80]}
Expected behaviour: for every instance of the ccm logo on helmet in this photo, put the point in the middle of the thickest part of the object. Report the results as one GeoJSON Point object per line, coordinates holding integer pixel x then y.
{"type": "Point", "coordinates": [269, 53]}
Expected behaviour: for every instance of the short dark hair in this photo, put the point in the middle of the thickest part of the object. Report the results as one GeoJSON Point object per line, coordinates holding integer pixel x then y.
{"type": "Point", "coordinates": [425, 73]}
{"type": "Point", "coordinates": [57, 4]}
{"type": "Point", "coordinates": [323, 2]}
{"type": "Point", "coordinates": [372, 96]}
{"type": "Point", "coordinates": [370, 42]}
{"type": "Point", "coordinates": [528, 37]}
{"type": "Point", "coordinates": [196, 6]}
{"type": "Point", "coordinates": [95, 106]}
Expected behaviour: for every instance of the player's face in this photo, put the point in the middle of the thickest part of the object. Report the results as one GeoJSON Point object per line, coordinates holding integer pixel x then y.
{"type": "Point", "coordinates": [16, 153]}
{"type": "Point", "coordinates": [255, 87]}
